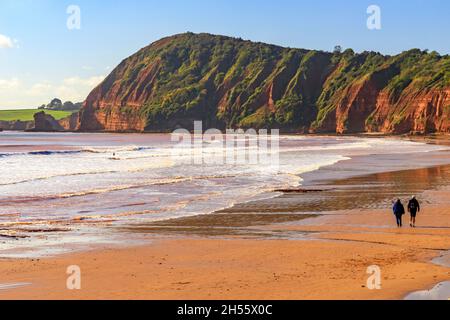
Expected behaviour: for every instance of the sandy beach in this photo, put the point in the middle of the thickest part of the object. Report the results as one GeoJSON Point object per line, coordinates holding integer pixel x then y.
{"type": "Point", "coordinates": [225, 151]}
{"type": "Point", "coordinates": [308, 257]}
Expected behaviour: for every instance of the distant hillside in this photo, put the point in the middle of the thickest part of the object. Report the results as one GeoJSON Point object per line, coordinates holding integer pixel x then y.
{"type": "Point", "coordinates": [228, 82]}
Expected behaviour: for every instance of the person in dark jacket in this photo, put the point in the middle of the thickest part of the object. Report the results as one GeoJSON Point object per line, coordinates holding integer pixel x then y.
{"type": "Point", "coordinates": [399, 211]}
{"type": "Point", "coordinates": [413, 209]}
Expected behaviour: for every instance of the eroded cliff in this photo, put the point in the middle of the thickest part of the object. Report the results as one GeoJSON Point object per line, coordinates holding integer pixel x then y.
{"type": "Point", "coordinates": [227, 82]}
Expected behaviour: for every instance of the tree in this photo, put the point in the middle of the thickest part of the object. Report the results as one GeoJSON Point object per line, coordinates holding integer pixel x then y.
{"type": "Point", "coordinates": [68, 105]}
{"type": "Point", "coordinates": [337, 49]}
{"type": "Point", "coordinates": [55, 104]}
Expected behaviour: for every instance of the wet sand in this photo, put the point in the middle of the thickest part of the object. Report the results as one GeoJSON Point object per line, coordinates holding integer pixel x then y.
{"type": "Point", "coordinates": [207, 268]}
{"type": "Point", "coordinates": [301, 245]}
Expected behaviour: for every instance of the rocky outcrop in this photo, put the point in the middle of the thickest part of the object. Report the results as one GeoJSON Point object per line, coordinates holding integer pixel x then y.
{"type": "Point", "coordinates": [43, 122]}
{"type": "Point", "coordinates": [46, 123]}
{"type": "Point", "coordinates": [16, 125]}
{"type": "Point", "coordinates": [227, 82]}
{"type": "Point", "coordinates": [71, 123]}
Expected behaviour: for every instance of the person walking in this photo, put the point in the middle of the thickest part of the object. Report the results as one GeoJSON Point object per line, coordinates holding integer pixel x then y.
{"type": "Point", "coordinates": [399, 211]}
{"type": "Point", "coordinates": [413, 209]}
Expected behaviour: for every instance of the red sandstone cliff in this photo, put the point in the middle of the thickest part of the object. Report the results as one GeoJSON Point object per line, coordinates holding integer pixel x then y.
{"type": "Point", "coordinates": [229, 82]}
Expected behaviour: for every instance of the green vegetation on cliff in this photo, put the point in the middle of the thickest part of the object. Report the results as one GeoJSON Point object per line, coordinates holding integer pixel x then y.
{"type": "Point", "coordinates": [229, 82]}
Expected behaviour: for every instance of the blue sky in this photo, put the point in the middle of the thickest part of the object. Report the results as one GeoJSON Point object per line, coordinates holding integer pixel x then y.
{"type": "Point", "coordinates": [40, 58]}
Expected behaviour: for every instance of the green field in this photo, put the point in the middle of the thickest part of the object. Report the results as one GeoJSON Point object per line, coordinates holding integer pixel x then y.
{"type": "Point", "coordinates": [27, 114]}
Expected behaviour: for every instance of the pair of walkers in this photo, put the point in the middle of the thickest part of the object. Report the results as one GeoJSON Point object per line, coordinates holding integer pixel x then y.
{"type": "Point", "coordinates": [413, 209]}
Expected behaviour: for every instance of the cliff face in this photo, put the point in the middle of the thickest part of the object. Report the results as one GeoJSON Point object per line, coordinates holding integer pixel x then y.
{"type": "Point", "coordinates": [43, 123]}
{"type": "Point", "coordinates": [16, 125]}
{"type": "Point", "coordinates": [70, 123]}
{"type": "Point", "coordinates": [421, 111]}
{"type": "Point", "coordinates": [227, 82]}
{"type": "Point", "coordinates": [46, 123]}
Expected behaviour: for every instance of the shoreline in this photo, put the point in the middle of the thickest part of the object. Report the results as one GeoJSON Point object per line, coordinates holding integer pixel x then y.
{"type": "Point", "coordinates": [434, 136]}
{"type": "Point", "coordinates": [341, 244]}
{"type": "Point", "coordinates": [274, 223]}
{"type": "Point", "coordinates": [190, 268]}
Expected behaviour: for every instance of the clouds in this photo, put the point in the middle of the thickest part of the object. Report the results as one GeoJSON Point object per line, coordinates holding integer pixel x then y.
{"type": "Point", "coordinates": [16, 93]}
{"type": "Point", "coordinates": [74, 89]}
{"type": "Point", "coordinates": [86, 82]}
{"type": "Point", "coordinates": [6, 42]}
{"type": "Point", "coordinates": [9, 84]}
{"type": "Point", "coordinates": [10, 89]}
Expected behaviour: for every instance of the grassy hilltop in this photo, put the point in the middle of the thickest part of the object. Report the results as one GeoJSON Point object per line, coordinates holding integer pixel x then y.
{"type": "Point", "coordinates": [28, 114]}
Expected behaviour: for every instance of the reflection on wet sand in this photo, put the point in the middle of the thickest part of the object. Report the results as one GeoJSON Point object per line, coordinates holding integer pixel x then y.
{"type": "Point", "coordinates": [9, 286]}
{"type": "Point", "coordinates": [375, 191]}
{"type": "Point", "coordinates": [219, 225]}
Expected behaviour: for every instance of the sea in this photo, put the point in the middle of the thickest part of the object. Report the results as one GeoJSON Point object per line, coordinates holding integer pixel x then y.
{"type": "Point", "coordinates": [62, 191]}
